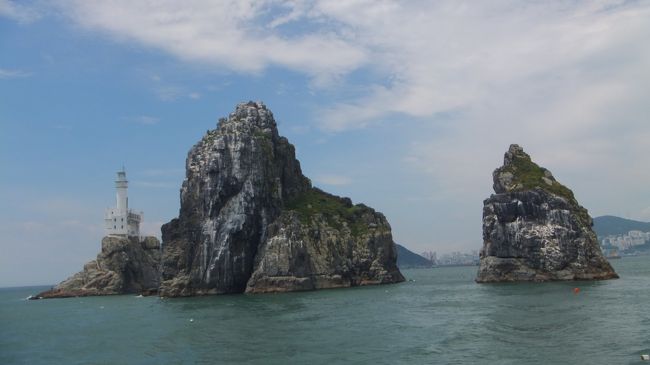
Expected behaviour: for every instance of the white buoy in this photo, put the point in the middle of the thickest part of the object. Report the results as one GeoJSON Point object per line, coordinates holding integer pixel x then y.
{"type": "Point", "coordinates": [645, 357]}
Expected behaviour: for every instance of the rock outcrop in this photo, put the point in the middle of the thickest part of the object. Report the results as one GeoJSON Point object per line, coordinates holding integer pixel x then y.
{"type": "Point", "coordinates": [250, 221]}
{"type": "Point", "coordinates": [124, 266]}
{"type": "Point", "coordinates": [535, 230]}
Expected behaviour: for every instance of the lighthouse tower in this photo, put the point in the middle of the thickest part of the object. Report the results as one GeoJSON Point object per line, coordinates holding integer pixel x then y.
{"type": "Point", "coordinates": [120, 220]}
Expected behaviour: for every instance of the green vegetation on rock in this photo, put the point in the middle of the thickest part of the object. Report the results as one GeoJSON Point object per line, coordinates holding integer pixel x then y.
{"type": "Point", "coordinates": [520, 173]}
{"type": "Point", "coordinates": [335, 210]}
{"type": "Point", "coordinates": [528, 175]}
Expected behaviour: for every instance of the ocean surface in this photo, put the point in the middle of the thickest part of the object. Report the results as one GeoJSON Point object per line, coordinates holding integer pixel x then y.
{"type": "Point", "coordinates": [439, 317]}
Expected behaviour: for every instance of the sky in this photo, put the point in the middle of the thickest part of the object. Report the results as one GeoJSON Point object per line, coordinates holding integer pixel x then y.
{"type": "Point", "coordinates": [406, 106]}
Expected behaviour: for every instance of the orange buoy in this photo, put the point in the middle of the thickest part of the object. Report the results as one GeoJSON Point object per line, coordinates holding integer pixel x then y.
{"type": "Point", "coordinates": [576, 290]}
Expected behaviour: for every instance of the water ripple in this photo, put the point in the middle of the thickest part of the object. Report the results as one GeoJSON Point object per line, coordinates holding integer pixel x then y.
{"type": "Point", "coordinates": [443, 317]}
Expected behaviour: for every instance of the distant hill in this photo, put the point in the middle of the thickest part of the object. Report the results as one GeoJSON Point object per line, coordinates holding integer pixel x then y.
{"type": "Point", "coordinates": [611, 225]}
{"type": "Point", "coordinates": [408, 259]}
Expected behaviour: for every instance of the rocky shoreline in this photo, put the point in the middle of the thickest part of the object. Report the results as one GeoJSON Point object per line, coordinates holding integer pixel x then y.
{"type": "Point", "coordinates": [124, 266]}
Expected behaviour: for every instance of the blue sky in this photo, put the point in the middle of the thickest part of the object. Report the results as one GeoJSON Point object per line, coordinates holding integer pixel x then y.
{"type": "Point", "coordinates": [404, 106]}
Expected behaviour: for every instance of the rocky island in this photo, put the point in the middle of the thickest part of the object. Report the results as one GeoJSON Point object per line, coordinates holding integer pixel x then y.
{"type": "Point", "coordinates": [250, 221]}
{"type": "Point", "coordinates": [124, 266]}
{"type": "Point", "coordinates": [535, 230]}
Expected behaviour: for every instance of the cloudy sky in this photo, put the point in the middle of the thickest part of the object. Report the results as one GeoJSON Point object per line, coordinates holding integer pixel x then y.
{"type": "Point", "coordinates": [406, 106]}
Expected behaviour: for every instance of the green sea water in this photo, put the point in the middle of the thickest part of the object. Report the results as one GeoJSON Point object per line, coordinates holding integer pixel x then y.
{"type": "Point", "coordinates": [440, 317]}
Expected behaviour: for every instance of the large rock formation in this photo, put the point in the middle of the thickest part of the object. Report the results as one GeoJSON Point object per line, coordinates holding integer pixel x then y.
{"type": "Point", "coordinates": [535, 230]}
{"type": "Point", "coordinates": [251, 222]}
{"type": "Point", "coordinates": [124, 266]}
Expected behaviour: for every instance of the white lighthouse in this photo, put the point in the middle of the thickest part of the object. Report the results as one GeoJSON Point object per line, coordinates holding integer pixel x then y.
{"type": "Point", "coordinates": [120, 221]}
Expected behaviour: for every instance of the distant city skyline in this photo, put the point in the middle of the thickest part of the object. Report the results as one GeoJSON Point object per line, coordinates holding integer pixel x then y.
{"type": "Point", "coordinates": [406, 107]}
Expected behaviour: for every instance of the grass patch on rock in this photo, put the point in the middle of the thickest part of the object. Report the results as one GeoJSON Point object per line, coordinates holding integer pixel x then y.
{"type": "Point", "coordinates": [528, 175]}
{"type": "Point", "coordinates": [334, 209]}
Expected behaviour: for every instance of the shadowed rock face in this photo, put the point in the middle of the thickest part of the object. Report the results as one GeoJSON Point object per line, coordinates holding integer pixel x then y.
{"type": "Point", "coordinates": [535, 230]}
{"type": "Point", "coordinates": [250, 221]}
{"type": "Point", "coordinates": [328, 244]}
{"type": "Point", "coordinates": [125, 266]}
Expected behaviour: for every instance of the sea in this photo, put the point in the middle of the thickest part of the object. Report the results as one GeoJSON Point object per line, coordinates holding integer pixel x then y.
{"type": "Point", "coordinates": [439, 316]}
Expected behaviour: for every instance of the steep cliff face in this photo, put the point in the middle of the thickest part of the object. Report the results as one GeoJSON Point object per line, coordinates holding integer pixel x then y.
{"type": "Point", "coordinates": [250, 221]}
{"type": "Point", "coordinates": [124, 266]}
{"type": "Point", "coordinates": [535, 230]}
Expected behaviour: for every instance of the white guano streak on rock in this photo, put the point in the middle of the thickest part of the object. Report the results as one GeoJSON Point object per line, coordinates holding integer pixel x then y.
{"type": "Point", "coordinates": [208, 229]}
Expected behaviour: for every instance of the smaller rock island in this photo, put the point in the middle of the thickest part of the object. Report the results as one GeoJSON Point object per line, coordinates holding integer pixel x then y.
{"type": "Point", "coordinates": [535, 230]}
{"type": "Point", "coordinates": [127, 264]}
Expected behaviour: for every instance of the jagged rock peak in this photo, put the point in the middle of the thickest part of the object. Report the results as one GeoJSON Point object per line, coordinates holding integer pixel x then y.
{"type": "Point", "coordinates": [535, 230]}
{"type": "Point", "coordinates": [253, 113]}
{"type": "Point", "coordinates": [515, 151]}
{"type": "Point", "coordinates": [520, 173]}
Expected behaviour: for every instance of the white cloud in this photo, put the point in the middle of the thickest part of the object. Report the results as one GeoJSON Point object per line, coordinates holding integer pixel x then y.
{"type": "Point", "coordinates": [232, 34]}
{"type": "Point", "coordinates": [432, 57]}
{"type": "Point", "coordinates": [441, 56]}
{"type": "Point", "coordinates": [334, 180]}
{"type": "Point", "coordinates": [12, 74]}
{"type": "Point", "coordinates": [568, 79]}
{"type": "Point", "coordinates": [18, 12]}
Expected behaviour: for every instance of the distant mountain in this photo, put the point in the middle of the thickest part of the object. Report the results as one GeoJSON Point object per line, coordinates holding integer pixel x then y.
{"type": "Point", "coordinates": [408, 259]}
{"type": "Point", "coordinates": [611, 225]}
